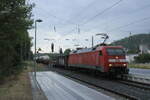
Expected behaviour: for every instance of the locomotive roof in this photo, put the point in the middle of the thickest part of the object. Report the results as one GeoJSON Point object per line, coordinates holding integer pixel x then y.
{"type": "Point", "coordinates": [82, 50]}
{"type": "Point", "coordinates": [92, 49]}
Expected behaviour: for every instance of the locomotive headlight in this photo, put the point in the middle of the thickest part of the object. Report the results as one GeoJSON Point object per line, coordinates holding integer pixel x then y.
{"type": "Point", "coordinates": [110, 65]}
{"type": "Point", "coordinates": [124, 64]}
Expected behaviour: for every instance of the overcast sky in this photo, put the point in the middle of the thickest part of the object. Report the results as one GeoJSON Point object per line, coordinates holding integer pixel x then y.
{"type": "Point", "coordinates": [116, 17]}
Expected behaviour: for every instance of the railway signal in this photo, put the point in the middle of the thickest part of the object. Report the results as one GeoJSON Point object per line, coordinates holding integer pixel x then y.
{"type": "Point", "coordinates": [52, 47]}
{"type": "Point", "coordinates": [60, 51]}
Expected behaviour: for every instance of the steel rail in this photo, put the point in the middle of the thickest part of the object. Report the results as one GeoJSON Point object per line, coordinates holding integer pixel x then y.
{"type": "Point", "coordinates": [136, 84]}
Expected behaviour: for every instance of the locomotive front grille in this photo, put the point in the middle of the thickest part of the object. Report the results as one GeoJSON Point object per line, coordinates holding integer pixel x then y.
{"type": "Point", "coordinates": [119, 70]}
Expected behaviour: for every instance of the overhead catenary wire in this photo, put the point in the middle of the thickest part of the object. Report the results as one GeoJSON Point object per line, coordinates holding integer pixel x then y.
{"type": "Point", "coordinates": [58, 18]}
{"type": "Point", "coordinates": [98, 14]}
{"type": "Point", "coordinates": [80, 13]}
{"type": "Point", "coordinates": [83, 11]}
{"type": "Point", "coordinates": [131, 23]}
{"type": "Point", "coordinates": [113, 20]}
{"type": "Point", "coordinates": [65, 21]}
{"type": "Point", "coordinates": [102, 12]}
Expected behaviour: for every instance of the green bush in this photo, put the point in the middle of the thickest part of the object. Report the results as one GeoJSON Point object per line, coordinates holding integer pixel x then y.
{"type": "Point", "coordinates": [15, 43]}
{"type": "Point", "coordinates": [143, 58]}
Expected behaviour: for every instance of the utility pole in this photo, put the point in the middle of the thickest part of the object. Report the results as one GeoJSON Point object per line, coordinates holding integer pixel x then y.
{"type": "Point", "coordinates": [130, 36]}
{"type": "Point", "coordinates": [92, 41]}
{"type": "Point", "coordinates": [78, 28]}
{"type": "Point", "coordinates": [54, 29]}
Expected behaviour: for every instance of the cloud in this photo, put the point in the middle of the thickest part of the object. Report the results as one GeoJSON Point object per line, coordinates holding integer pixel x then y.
{"type": "Point", "coordinates": [66, 15]}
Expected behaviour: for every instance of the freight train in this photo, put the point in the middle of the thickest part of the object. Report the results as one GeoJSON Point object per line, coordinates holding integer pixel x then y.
{"type": "Point", "coordinates": [102, 58]}
{"type": "Point", "coordinates": [43, 59]}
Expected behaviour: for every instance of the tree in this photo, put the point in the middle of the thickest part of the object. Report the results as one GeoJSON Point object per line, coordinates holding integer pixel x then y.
{"type": "Point", "coordinates": [132, 43]}
{"type": "Point", "coordinates": [67, 51]}
{"type": "Point", "coordinates": [15, 20]}
{"type": "Point", "coordinates": [143, 58]}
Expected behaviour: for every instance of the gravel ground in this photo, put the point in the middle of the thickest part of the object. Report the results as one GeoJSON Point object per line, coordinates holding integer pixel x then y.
{"type": "Point", "coordinates": [17, 88]}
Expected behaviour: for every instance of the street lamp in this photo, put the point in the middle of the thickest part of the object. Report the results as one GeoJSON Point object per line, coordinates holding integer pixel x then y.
{"type": "Point", "coordinates": [36, 21]}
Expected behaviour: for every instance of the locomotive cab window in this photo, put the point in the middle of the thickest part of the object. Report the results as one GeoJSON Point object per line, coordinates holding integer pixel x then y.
{"type": "Point", "coordinates": [100, 53]}
{"type": "Point", "coordinates": [115, 51]}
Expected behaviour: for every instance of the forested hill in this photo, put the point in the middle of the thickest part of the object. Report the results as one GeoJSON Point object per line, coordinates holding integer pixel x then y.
{"type": "Point", "coordinates": [132, 43]}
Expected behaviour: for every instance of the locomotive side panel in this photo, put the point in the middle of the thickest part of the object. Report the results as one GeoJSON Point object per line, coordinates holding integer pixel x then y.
{"type": "Point", "coordinates": [90, 60]}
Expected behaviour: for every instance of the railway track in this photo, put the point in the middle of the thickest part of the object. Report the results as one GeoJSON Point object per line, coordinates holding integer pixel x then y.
{"type": "Point", "coordinates": [127, 89]}
{"type": "Point", "coordinates": [136, 84]}
{"type": "Point", "coordinates": [137, 78]}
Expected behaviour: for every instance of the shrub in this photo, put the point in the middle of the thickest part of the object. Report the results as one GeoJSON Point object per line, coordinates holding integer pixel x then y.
{"type": "Point", "coordinates": [143, 58]}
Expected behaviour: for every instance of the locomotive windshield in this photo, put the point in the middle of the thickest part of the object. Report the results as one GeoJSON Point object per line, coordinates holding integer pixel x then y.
{"type": "Point", "coordinates": [115, 52]}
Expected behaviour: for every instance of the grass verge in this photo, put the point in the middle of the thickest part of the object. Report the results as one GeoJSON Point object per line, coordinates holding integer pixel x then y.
{"type": "Point", "coordinates": [39, 67]}
{"type": "Point", "coordinates": [17, 88]}
{"type": "Point", "coordinates": [142, 66]}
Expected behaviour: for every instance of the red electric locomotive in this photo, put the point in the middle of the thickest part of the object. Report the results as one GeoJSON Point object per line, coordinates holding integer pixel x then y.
{"type": "Point", "coordinates": [103, 58]}
{"type": "Point", "coordinates": [108, 59]}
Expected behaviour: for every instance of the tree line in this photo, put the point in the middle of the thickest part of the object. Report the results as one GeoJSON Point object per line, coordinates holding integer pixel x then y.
{"type": "Point", "coordinates": [15, 43]}
{"type": "Point", "coordinates": [133, 42]}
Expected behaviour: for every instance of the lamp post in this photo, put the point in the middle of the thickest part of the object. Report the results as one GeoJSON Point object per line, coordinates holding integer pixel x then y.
{"type": "Point", "coordinates": [92, 41]}
{"type": "Point", "coordinates": [38, 20]}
